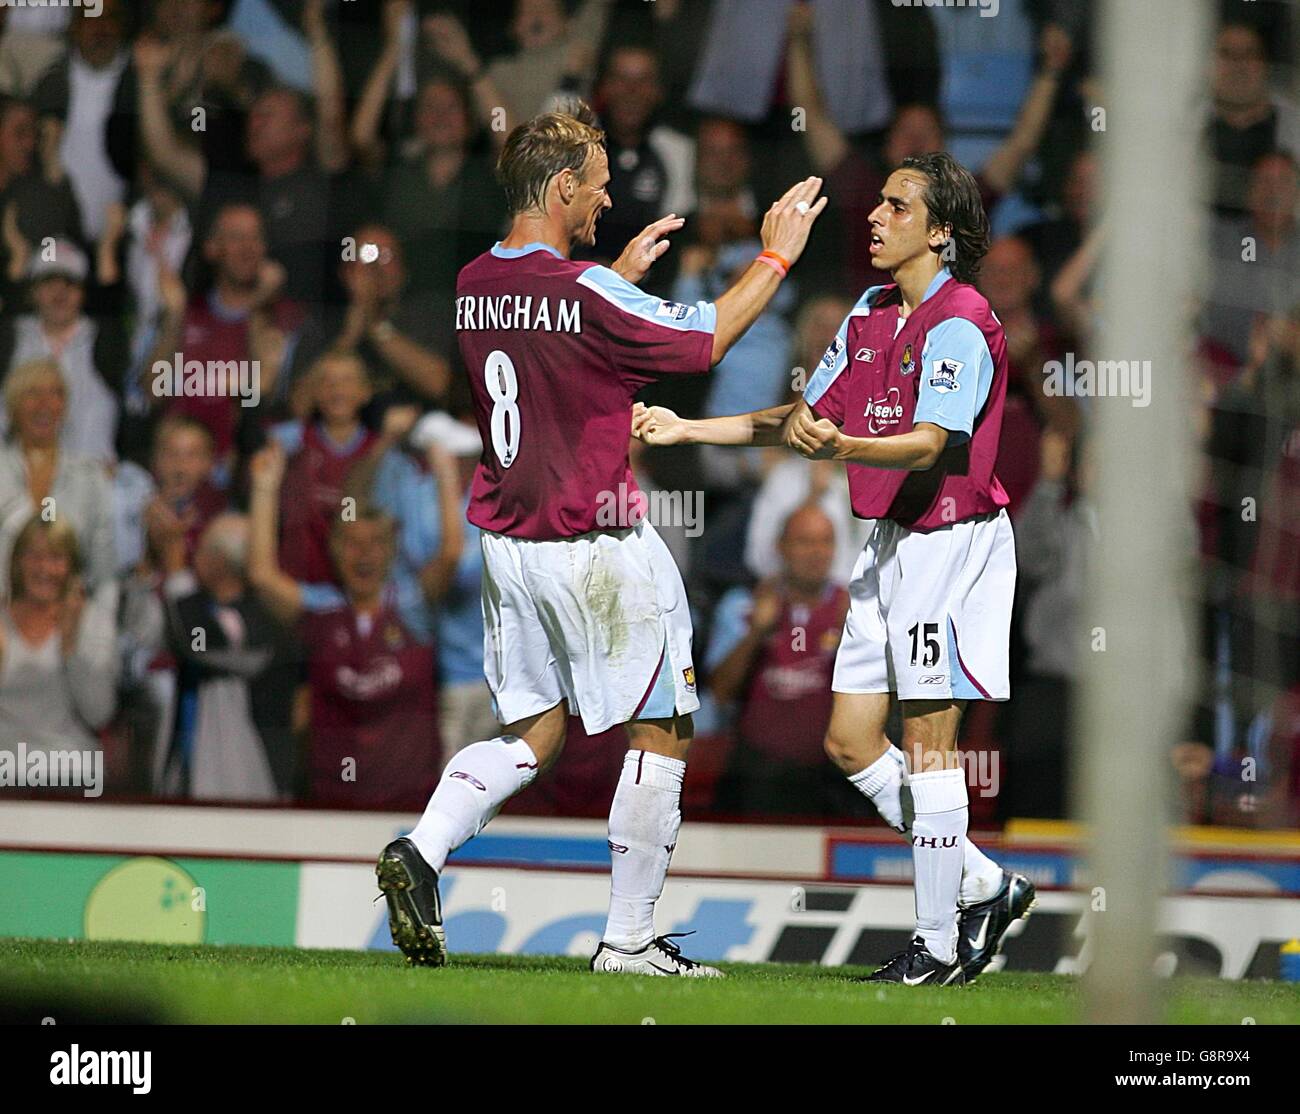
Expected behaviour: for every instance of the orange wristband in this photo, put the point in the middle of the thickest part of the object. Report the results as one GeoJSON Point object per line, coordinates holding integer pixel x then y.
{"type": "Point", "coordinates": [778, 263]}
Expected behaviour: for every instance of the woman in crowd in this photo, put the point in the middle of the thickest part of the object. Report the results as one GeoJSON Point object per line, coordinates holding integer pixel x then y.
{"type": "Point", "coordinates": [58, 660]}
{"type": "Point", "coordinates": [38, 477]}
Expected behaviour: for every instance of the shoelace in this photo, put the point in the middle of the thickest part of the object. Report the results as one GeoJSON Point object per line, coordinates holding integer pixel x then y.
{"type": "Point", "coordinates": [904, 957]}
{"type": "Point", "coordinates": [673, 951]}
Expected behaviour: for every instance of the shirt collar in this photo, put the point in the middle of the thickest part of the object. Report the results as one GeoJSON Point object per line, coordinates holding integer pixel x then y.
{"type": "Point", "coordinates": [333, 446]}
{"type": "Point", "coordinates": [943, 276]}
{"type": "Point", "coordinates": [223, 312]}
{"type": "Point", "coordinates": [515, 253]}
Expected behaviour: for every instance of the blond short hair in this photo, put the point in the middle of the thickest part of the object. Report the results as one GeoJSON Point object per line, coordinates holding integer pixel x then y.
{"type": "Point", "coordinates": [28, 374]}
{"type": "Point", "coordinates": [545, 146]}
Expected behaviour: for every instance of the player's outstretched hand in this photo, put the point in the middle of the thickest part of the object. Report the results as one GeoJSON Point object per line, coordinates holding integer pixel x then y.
{"type": "Point", "coordinates": [657, 425]}
{"type": "Point", "coordinates": [791, 217]}
{"type": "Point", "coordinates": [816, 439]}
{"type": "Point", "coordinates": [645, 247]}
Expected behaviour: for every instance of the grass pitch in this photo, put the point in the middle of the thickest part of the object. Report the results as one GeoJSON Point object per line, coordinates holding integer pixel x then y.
{"type": "Point", "coordinates": [165, 983]}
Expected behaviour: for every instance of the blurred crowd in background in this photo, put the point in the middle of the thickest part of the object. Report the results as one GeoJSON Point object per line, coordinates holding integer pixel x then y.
{"type": "Point", "coordinates": [255, 582]}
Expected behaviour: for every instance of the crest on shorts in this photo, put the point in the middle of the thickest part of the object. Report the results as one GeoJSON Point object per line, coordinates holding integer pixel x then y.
{"type": "Point", "coordinates": [909, 363]}
{"type": "Point", "coordinates": [688, 675]}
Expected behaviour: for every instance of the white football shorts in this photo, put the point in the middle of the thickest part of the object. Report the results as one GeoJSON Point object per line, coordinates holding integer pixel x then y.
{"type": "Point", "coordinates": [930, 613]}
{"type": "Point", "coordinates": [600, 620]}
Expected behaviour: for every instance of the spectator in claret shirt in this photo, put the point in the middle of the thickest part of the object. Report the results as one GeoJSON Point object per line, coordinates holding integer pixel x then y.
{"type": "Point", "coordinates": [372, 665]}
{"type": "Point", "coordinates": [772, 653]}
{"type": "Point", "coordinates": [185, 499]}
{"type": "Point", "coordinates": [322, 451]}
{"type": "Point", "coordinates": [240, 317]}
{"type": "Point", "coordinates": [407, 481]}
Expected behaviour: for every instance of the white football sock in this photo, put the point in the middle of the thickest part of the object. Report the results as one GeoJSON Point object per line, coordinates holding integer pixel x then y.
{"type": "Point", "coordinates": [643, 824]}
{"type": "Point", "coordinates": [938, 831]}
{"type": "Point", "coordinates": [882, 784]}
{"type": "Point", "coordinates": [476, 783]}
{"type": "Point", "coordinates": [981, 877]}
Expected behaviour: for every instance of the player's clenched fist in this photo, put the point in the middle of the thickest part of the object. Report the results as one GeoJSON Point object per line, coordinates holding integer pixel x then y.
{"type": "Point", "coordinates": [816, 439]}
{"type": "Point", "coordinates": [657, 425]}
{"type": "Point", "coordinates": [791, 217]}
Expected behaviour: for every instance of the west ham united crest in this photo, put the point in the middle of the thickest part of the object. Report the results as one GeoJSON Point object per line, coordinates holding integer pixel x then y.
{"type": "Point", "coordinates": [909, 364]}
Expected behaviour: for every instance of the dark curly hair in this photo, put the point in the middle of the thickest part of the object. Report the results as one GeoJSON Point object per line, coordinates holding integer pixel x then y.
{"type": "Point", "coordinates": [952, 199]}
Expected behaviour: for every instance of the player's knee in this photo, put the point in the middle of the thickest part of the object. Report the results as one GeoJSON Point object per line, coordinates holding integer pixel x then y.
{"type": "Point", "coordinates": [669, 737]}
{"type": "Point", "coordinates": [544, 734]}
{"type": "Point", "coordinates": [851, 754]}
{"type": "Point", "coordinates": [547, 746]}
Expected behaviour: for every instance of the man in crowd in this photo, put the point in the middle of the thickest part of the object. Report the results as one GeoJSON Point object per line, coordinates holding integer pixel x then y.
{"type": "Point", "coordinates": [771, 653]}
